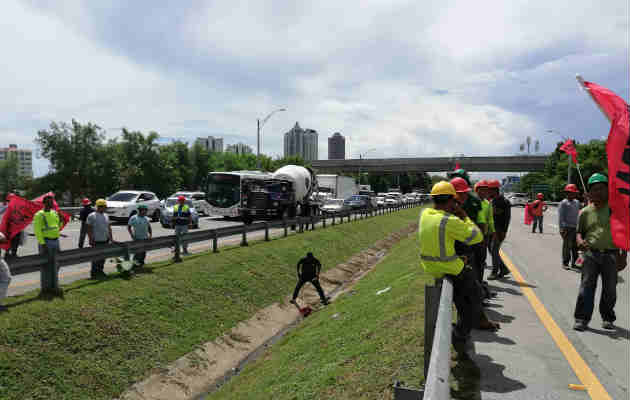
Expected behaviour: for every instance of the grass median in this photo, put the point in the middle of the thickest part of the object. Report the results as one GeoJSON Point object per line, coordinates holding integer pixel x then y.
{"type": "Point", "coordinates": [353, 349]}
{"type": "Point", "coordinates": [104, 336]}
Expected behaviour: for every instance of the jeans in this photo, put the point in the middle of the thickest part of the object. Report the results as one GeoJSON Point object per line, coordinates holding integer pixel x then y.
{"type": "Point", "coordinates": [467, 296]}
{"type": "Point", "coordinates": [180, 230]}
{"type": "Point", "coordinates": [497, 262]}
{"type": "Point", "coordinates": [49, 277]}
{"type": "Point", "coordinates": [569, 247]}
{"type": "Point", "coordinates": [98, 265]}
{"type": "Point", "coordinates": [314, 281]}
{"type": "Point", "coordinates": [596, 263]}
{"type": "Point", "coordinates": [82, 234]}
{"type": "Point", "coordinates": [538, 220]}
{"type": "Point", "coordinates": [5, 278]}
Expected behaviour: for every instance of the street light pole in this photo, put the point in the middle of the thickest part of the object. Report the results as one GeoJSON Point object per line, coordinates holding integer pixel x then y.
{"type": "Point", "coordinates": [360, 161]}
{"type": "Point", "coordinates": [568, 155]}
{"type": "Point", "coordinates": [259, 125]}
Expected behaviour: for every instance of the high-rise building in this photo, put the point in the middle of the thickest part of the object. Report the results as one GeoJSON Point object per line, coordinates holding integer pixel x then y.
{"type": "Point", "coordinates": [337, 147]}
{"type": "Point", "coordinates": [24, 157]}
{"type": "Point", "coordinates": [301, 142]}
{"type": "Point", "coordinates": [239, 148]}
{"type": "Point", "coordinates": [211, 144]}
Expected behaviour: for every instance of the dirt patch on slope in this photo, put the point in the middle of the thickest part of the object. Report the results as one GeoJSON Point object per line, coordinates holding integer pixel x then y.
{"type": "Point", "coordinates": [213, 363]}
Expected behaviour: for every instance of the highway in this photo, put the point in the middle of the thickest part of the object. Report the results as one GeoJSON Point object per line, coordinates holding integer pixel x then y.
{"type": "Point", "coordinates": [537, 354]}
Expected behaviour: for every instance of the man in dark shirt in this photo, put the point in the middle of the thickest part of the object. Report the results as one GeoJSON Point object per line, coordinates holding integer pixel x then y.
{"type": "Point", "coordinates": [502, 210]}
{"type": "Point", "coordinates": [85, 211]}
{"type": "Point", "coordinates": [308, 269]}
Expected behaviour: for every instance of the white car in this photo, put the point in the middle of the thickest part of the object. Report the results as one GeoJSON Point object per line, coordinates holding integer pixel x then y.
{"type": "Point", "coordinates": [334, 206]}
{"type": "Point", "coordinates": [198, 201]}
{"type": "Point", "coordinates": [380, 201]}
{"type": "Point", "coordinates": [123, 204]}
{"type": "Point", "coordinates": [166, 217]}
{"type": "Point", "coordinates": [518, 199]}
{"type": "Point", "coordinates": [391, 201]}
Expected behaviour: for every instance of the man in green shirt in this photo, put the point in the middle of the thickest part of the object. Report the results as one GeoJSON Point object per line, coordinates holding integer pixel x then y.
{"type": "Point", "coordinates": [46, 226]}
{"type": "Point", "coordinates": [600, 257]}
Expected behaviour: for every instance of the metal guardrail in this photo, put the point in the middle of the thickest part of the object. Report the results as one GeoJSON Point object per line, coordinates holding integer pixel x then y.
{"type": "Point", "coordinates": [26, 264]}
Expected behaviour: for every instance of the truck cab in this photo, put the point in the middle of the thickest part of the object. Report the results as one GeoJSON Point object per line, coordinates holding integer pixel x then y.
{"type": "Point", "coordinates": [267, 199]}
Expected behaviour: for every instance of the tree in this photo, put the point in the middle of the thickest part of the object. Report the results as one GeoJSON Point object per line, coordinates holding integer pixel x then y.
{"type": "Point", "coordinates": [10, 179]}
{"type": "Point", "coordinates": [72, 150]}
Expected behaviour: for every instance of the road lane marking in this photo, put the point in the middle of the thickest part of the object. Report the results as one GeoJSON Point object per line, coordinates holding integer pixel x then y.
{"type": "Point", "coordinates": [584, 373]}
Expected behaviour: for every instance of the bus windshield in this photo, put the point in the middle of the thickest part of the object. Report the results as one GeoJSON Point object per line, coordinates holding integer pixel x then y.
{"type": "Point", "coordinates": [224, 190]}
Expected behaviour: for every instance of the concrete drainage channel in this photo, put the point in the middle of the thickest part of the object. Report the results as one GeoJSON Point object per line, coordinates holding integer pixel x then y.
{"type": "Point", "coordinates": [206, 369]}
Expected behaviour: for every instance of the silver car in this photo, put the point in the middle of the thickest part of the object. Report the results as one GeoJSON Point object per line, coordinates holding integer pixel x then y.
{"type": "Point", "coordinates": [334, 206]}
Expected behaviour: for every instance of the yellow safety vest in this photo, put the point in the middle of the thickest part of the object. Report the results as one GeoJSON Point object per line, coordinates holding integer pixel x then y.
{"type": "Point", "coordinates": [486, 207]}
{"type": "Point", "coordinates": [46, 225]}
{"type": "Point", "coordinates": [438, 231]}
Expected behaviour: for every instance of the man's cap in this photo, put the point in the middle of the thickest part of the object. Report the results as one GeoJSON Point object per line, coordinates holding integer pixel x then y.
{"type": "Point", "coordinates": [86, 202]}
{"type": "Point", "coordinates": [443, 188]}
{"type": "Point", "coordinates": [143, 207]}
{"type": "Point", "coordinates": [597, 178]}
{"type": "Point", "coordinates": [494, 184]}
{"type": "Point", "coordinates": [540, 196]}
{"type": "Point", "coordinates": [460, 185]}
{"type": "Point", "coordinates": [181, 198]}
{"type": "Point", "coordinates": [101, 203]}
{"type": "Point", "coordinates": [571, 187]}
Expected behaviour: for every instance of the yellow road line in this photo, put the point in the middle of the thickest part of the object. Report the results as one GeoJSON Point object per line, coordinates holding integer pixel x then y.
{"type": "Point", "coordinates": [582, 370]}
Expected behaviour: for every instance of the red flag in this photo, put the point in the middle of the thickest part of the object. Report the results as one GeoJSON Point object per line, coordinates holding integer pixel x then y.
{"type": "Point", "coordinates": [618, 151]}
{"type": "Point", "coordinates": [17, 216]}
{"type": "Point", "coordinates": [569, 148]}
{"type": "Point", "coordinates": [64, 216]}
{"type": "Point", "coordinates": [457, 166]}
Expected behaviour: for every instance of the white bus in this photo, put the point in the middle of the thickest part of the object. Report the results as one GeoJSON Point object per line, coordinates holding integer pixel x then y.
{"type": "Point", "coordinates": [224, 191]}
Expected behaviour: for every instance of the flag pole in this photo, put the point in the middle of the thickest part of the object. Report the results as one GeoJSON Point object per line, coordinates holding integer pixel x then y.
{"type": "Point", "coordinates": [580, 80]}
{"type": "Point", "coordinates": [581, 179]}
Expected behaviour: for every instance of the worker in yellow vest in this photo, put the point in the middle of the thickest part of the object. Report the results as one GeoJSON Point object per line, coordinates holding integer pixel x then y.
{"type": "Point", "coordinates": [439, 228]}
{"type": "Point", "coordinates": [46, 226]}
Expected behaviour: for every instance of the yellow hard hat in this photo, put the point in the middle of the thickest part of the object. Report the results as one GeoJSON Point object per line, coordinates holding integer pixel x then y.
{"type": "Point", "coordinates": [101, 202]}
{"type": "Point", "coordinates": [443, 188]}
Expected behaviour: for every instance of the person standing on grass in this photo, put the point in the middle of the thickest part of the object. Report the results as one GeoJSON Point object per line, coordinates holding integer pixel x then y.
{"type": "Point", "coordinates": [100, 234]}
{"type": "Point", "coordinates": [85, 212]}
{"type": "Point", "coordinates": [308, 269]}
{"type": "Point", "coordinates": [568, 211]}
{"type": "Point", "coordinates": [601, 257]}
{"type": "Point", "coordinates": [538, 207]}
{"type": "Point", "coordinates": [139, 228]}
{"type": "Point", "coordinates": [46, 226]}
{"type": "Point", "coordinates": [5, 276]}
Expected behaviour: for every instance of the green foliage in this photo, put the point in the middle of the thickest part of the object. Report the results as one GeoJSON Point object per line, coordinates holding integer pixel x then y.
{"type": "Point", "coordinates": [591, 156]}
{"type": "Point", "coordinates": [10, 180]}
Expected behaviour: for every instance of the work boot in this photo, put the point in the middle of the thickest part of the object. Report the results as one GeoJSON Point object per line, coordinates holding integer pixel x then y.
{"type": "Point", "coordinates": [580, 325]}
{"type": "Point", "coordinates": [608, 325]}
{"type": "Point", "coordinates": [504, 272]}
{"type": "Point", "coordinates": [292, 301]}
{"type": "Point", "coordinates": [493, 276]}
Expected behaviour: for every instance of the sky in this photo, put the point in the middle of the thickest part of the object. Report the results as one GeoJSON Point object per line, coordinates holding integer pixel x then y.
{"type": "Point", "coordinates": [406, 78]}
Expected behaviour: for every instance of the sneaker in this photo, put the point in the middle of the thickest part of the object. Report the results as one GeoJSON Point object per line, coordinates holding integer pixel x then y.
{"type": "Point", "coordinates": [608, 325]}
{"type": "Point", "coordinates": [3, 308]}
{"type": "Point", "coordinates": [292, 301]}
{"type": "Point", "coordinates": [504, 272]}
{"type": "Point", "coordinates": [493, 276]}
{"type": "Point", "coordinates": [580, 325]}
{"type": "Point", "coordinates": [565, 266]}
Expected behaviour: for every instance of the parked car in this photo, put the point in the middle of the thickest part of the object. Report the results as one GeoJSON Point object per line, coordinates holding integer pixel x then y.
{"type": "Point", "coordinates": [358, 201]}
{"type": "Point", "coordinates": [391, 201]}
{"type": "Point", "coordinates": [334, 206]}
{"type": "Point", "coordinates": [166, 216]}
{"type": "Point", "coordinates": [518, 199]}
{"type": "Point", "coordinates": [198, 200]}
{"type": "Point", "coordinates": [380, 201]}
{"type": "Point", "coordinates": [124, 204]}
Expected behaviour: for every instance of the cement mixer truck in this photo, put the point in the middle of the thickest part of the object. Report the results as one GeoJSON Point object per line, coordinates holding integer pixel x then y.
{"type": "Point", "coordinates": [286, 194]}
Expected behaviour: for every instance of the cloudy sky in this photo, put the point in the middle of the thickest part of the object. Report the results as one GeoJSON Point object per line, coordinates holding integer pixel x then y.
{"type": "Point", "coordinates": [409, 78]}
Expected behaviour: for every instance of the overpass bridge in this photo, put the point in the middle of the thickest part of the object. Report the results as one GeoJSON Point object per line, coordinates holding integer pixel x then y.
{"type": "Point", "coordinates": [432, 164]}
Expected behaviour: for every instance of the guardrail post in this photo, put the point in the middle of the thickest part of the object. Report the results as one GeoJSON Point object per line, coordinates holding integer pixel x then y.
{"type": "Point", "coordinates": [244, 240]}
{"type": "Point", "coordinates": [301, 223]}
{"type": "Point", "coordinates": [178, 241]}
{"type": "Point", "coordinates": [266, 231]}
{"type": "Point", "coordinates": [333, 221]}
{"type": "Point", "coordinates": [284, 225]}
{"type": "Point", "coordinates": [312, 223]}
{"type": "Point", "coordinates": [324, 221]}
{"type": "Point", "coordinates": [215, 242]}
{"type": "Point", "coordinates": [431, 307]}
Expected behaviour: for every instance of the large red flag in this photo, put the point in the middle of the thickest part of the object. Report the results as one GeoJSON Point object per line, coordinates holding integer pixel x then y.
{"type": "Point", "coordinates": [569, 148]}
{"type": "Point", "coordinates": [18, 214]}
{"type": "Point", "coordinates": [618, 151]}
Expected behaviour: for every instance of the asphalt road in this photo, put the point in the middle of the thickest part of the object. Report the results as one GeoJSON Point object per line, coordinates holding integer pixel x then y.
{"type": "Point", "coordinates": [536, 354]}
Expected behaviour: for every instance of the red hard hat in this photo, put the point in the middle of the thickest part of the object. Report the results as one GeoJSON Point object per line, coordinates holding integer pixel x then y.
{"type": "Point", "coordinates": [460, 185]}
{"type": "Point", "coordinates": [86, 202]}
{"type": "Point", "coordinates": [494, 184]}
{"type": "Point", "coordinates": [540, 196]}
{"type": "Point", "coordinates": [181, 198]}
{"type": "Point", "coordinates": [571, 188]}
{"type": "Point", "coordinates": [482, 183]}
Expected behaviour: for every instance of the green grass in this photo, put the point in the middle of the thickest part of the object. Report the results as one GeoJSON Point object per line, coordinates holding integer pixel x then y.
{"type": "Point", "coordinates": [353, 349]}
{"type": "Point", "coordinates": [105, 336]}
